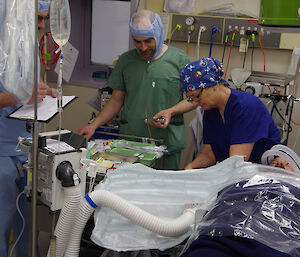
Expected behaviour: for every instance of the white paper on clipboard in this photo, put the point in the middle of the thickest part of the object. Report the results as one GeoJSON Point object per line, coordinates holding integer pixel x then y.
{"type": "Point", "coordinates": [45, 110]}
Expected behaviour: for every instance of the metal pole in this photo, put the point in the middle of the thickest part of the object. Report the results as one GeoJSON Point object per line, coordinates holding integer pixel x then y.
{"type": "Point", "coordinates": [32, 249]}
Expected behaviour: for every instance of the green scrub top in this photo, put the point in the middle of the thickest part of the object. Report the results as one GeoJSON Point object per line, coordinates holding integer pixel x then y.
{"type": "Point", "coordinates": [151, 86]}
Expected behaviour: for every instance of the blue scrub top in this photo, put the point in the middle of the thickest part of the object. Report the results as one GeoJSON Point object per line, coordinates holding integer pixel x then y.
{"type": "Point", "coordinates": [247, 120]}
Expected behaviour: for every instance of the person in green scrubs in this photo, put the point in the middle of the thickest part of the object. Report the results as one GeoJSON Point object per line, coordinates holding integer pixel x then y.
{"type": "Point", "coordinates": [145, 81]}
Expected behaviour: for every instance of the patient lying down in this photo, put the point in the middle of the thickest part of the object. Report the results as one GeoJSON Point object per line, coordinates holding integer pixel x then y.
{"type": "Point", "coordinates": [255, 217]}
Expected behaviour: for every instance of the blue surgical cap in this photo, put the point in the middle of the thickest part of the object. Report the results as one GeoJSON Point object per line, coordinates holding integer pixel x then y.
{"type": "Point", "coordinates": [156, 31]}
{"type": "Point", "coordinates": [44, 5]}
{"type": "Point", "coordinates": [206, 72]}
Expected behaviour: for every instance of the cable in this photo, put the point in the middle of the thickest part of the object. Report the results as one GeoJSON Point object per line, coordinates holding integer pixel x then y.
{"type": "Point", "coordinates": [280, 115]}
{"type": "Point", "coordinates": [23, 221]}
{"type": "Point", "coordinates": [261, 47]}
{"type": "Point", "coordinates": [252, 52]}
{"type": "Point", "coordinates": [295, 123]}
{"type": "Point", "coordinates": [232, 41]}
{"type": "Point", "coordinates": [290, 114]}
{"type": "Point", "coordinates": [214, 30]}
{"type": "Point", "coordinates": [138, 5]}
{"type": "Point", "coordinates": [295, 142]}
{"type": "Point", "coordinates": [248, 34]}
{"type": "Point", "coordinates": [225, 45]}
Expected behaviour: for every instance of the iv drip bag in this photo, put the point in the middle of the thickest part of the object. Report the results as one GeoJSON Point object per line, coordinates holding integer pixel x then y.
{"type": "Point", "coordinates": [60, 21]}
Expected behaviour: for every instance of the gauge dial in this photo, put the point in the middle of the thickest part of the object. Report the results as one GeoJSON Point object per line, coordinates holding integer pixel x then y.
{"type": "Point", "coordinates": [189, 21]}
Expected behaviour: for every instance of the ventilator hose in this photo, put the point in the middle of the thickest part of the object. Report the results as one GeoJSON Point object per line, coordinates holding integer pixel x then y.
{"type": "Point", "coordinates": [164, 227]}
{"type": "Point", "coordinates": [65, 222]}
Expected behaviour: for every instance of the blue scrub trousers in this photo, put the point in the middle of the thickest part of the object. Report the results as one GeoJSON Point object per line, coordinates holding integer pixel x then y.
{"type": "Point", "coordinates": [11, 184]}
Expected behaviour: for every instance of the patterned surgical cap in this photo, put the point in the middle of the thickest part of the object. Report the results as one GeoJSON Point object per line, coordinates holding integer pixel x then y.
{"type": "Point", "coordinates": [206, 72]}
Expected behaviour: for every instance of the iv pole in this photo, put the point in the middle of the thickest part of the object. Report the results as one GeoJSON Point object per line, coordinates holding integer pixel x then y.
{"type": "Point", "coordinates": [32, 248]}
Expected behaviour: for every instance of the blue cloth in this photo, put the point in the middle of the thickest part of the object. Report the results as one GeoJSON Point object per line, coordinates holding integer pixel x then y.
{"type": "Point", "coordinates": [10, 130]}
{"type": "Point", "coordinates": [206, 72]}
{"type": "Point", "coordinates": [11, 184]}
{"type": "Point", "coordinates": [230, 247]}
{"type": "Point", "coordinates": [247, 120]}
{"type": "Point", "coordinates": [266, 212]}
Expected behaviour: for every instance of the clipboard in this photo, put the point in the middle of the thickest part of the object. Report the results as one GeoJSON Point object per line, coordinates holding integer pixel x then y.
{"type": "Point", "coordinates": [46, 110]}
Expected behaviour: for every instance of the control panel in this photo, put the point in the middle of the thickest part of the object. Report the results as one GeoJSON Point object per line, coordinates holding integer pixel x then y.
{"type": "Point", "coordinates": [218, 28]}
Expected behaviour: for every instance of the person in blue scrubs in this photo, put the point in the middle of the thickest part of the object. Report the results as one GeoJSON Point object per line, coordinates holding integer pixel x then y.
{"type": "Point", "coordinates": [13, 180]}
{"type": "Point", "coordinates": [234, 122]}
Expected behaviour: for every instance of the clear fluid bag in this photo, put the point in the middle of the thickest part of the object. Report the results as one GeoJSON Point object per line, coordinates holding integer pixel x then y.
{"type": "Point", "coordinates": [60, 21]}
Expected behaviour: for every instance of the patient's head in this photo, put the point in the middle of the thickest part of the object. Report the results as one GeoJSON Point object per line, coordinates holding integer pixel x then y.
{"type": "Point", "coordinates": [282, 157]}
{"type": "Point", "coordinates": [281, 163]}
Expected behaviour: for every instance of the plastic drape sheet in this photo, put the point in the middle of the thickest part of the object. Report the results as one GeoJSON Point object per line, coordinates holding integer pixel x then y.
{"type": "Point", "coordinates": [164, 193]}
{"type": "Point", "coordinates": [17, 35]}
{"type": "Point", "coordinates": [265, 208]}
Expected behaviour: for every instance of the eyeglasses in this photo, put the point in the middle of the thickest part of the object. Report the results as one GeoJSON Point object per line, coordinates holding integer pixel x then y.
{"type": "Point", "coordinates": [41, 18]}
{"type": "Point", "coordinates": [191, 98]}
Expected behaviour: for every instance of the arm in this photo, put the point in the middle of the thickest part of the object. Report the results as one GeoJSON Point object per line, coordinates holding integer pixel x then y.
{"type": "Point", "coordinates": [110, 110]}
{"type": "Point", "coordinates": [203, 160]}
{"type": "Point", "coordinates": [6, 99]}
{"type": "Point", "coordinates": [241, 149]}
{"type": "Point", "coordinates": [180, 108]}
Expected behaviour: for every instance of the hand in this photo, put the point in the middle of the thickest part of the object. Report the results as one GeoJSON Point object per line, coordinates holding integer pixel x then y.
{"type": "Point", "coordinates": [189, 167]}
{"type": "Point", "coordinates": [166, 114]}
{"type": "Point", "coordinates": [42, 91]}
{"type": "Point", "coordinates": [52, 92]}
{"type": "Point", "coordinates": [88, 131]}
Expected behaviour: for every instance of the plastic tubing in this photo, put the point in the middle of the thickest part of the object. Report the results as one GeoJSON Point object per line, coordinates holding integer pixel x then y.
{"type": "Point", "coordinates": [164, 227]}
{"type": "Point", "coordinates": [262, 50]}
{"type": "Point", "coordinates": [232, 41]}
{"type": "Point", "coordinates": [201, 29]}
{"type": "Point", "coordinates": [178, 27]}
{"type": "Point", "coordinates": [65, 222]}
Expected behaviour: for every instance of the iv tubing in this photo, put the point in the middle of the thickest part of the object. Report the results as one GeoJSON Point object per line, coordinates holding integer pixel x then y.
{"type": "Point", "coordinates": [164, 227]}
{"type": "Point", "coordinates": [59, 95]}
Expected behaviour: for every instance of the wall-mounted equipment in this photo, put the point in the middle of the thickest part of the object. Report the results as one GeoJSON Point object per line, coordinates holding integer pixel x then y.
{"type": "Point", "coordinates": [280, 12]}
